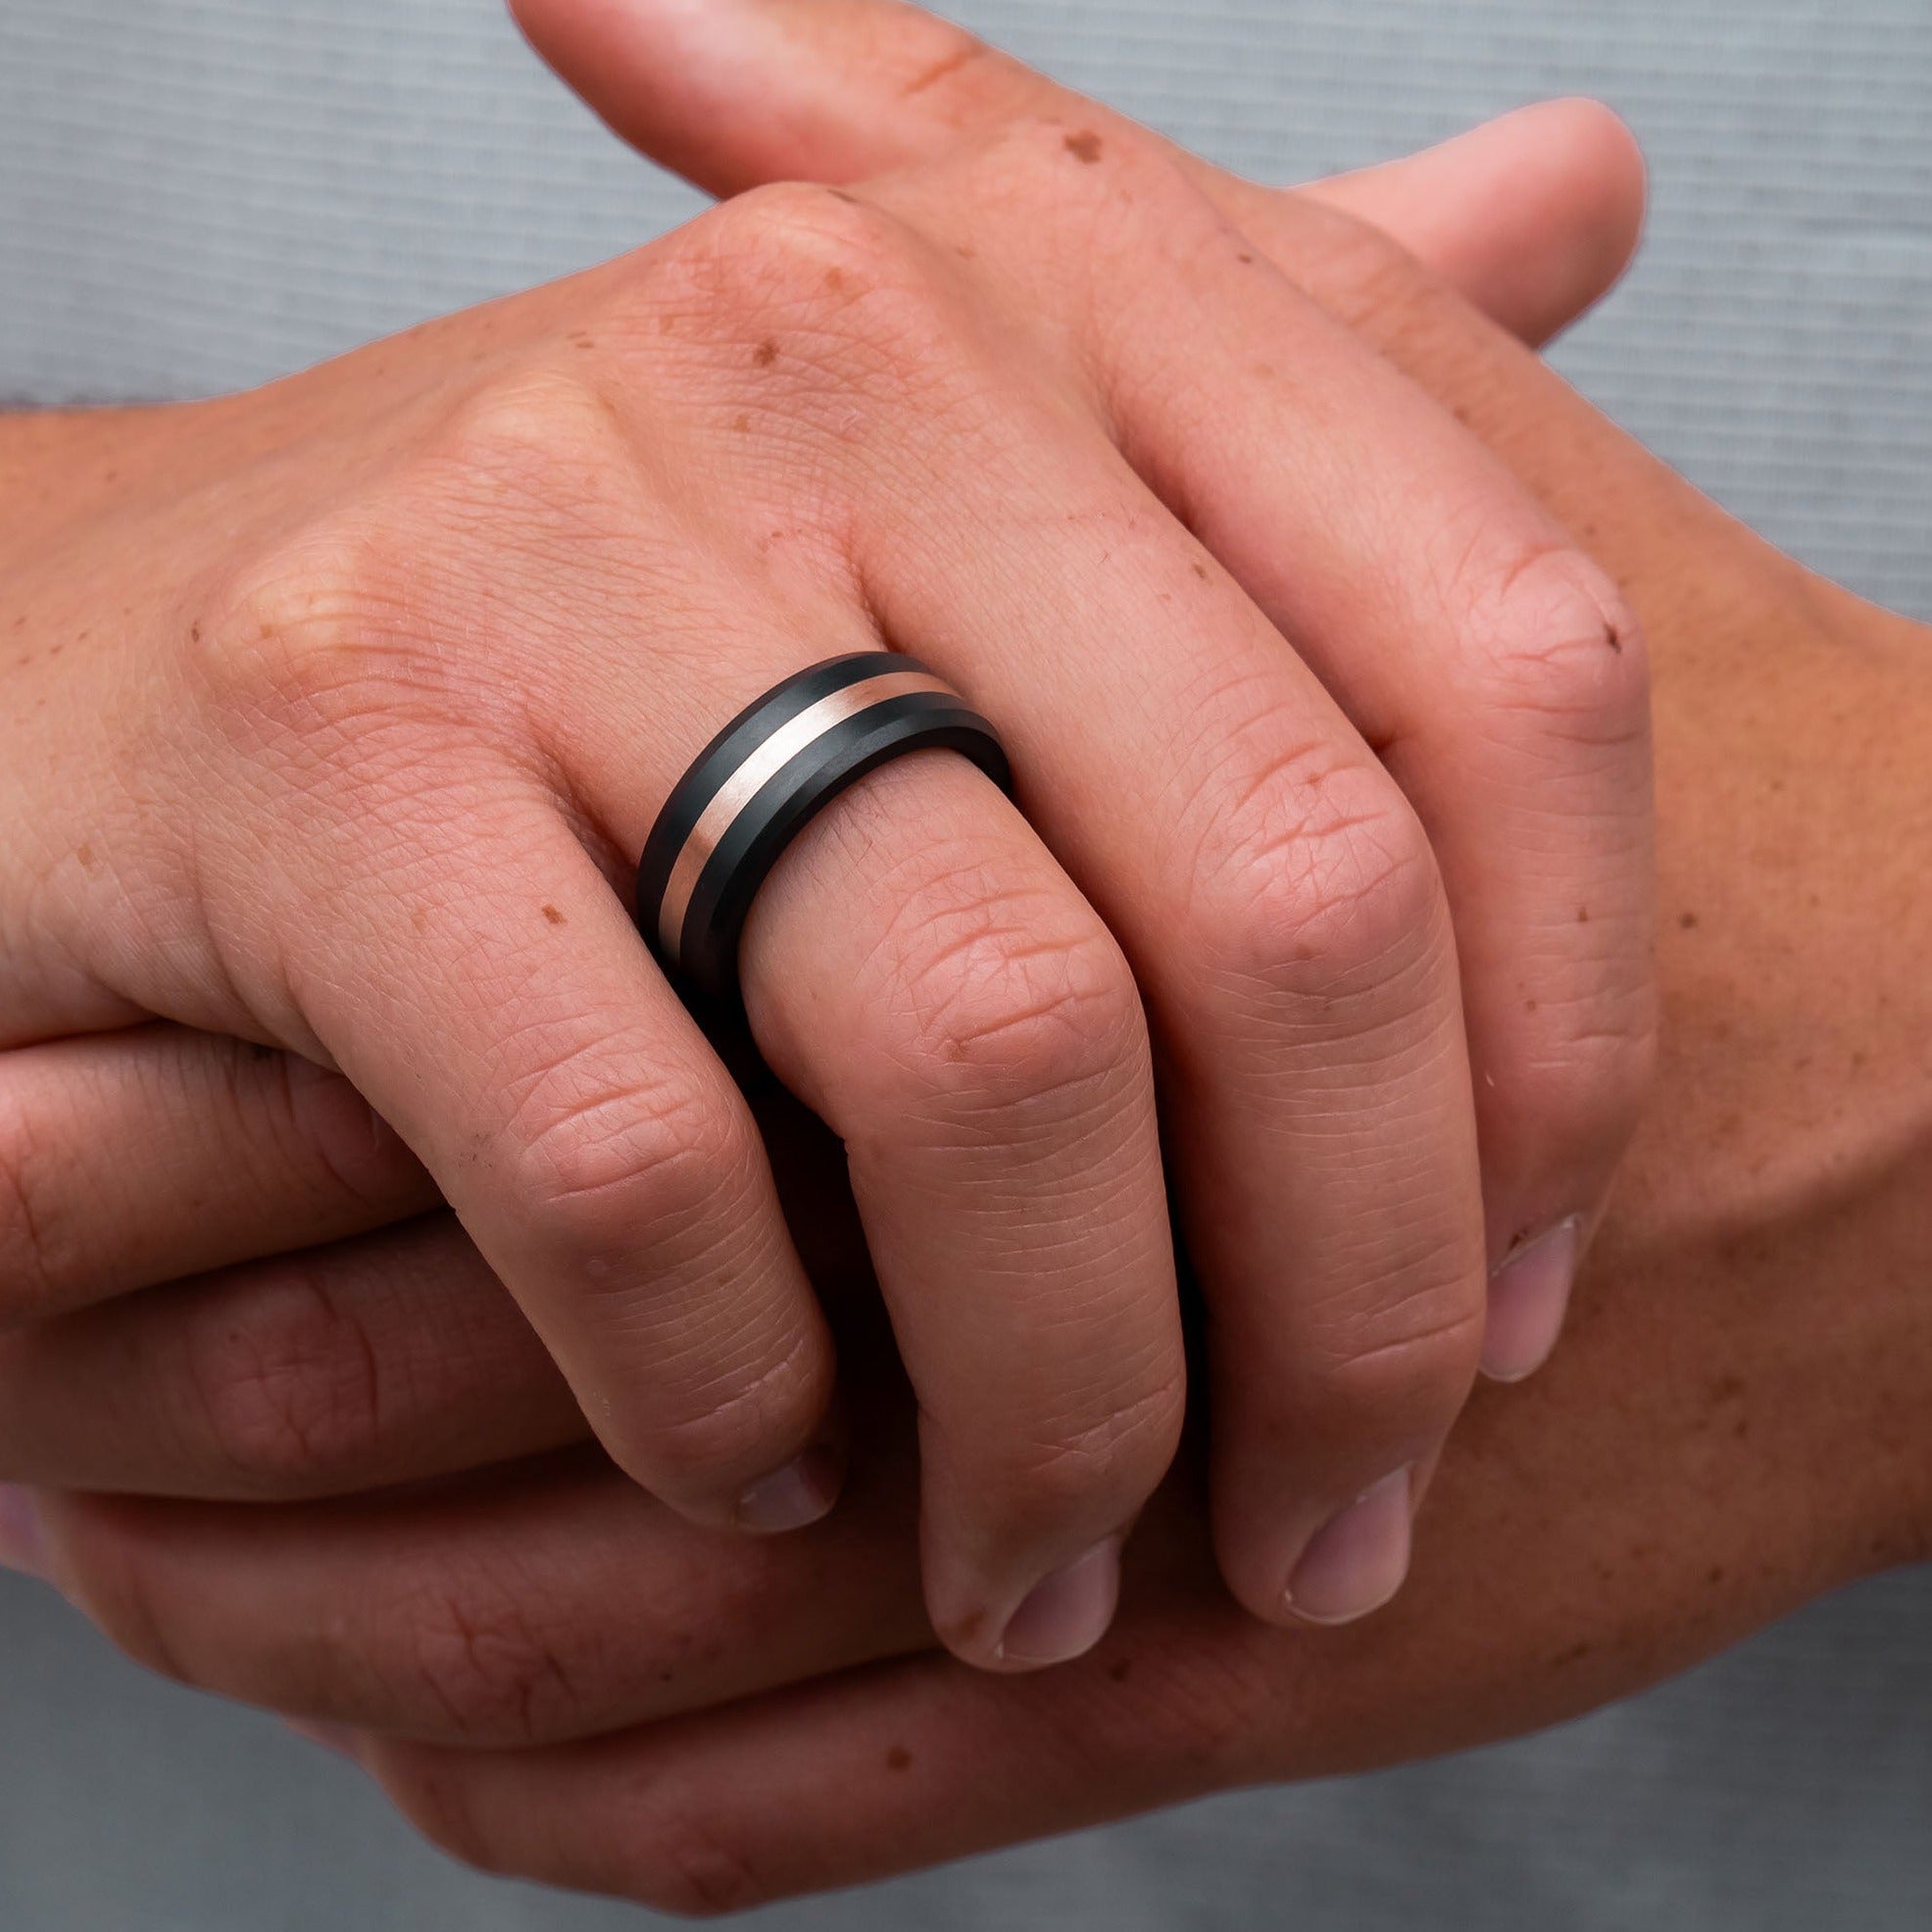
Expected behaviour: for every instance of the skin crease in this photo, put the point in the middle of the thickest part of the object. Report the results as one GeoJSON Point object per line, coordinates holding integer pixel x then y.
{"type": "Point", "coordinates": [1736, 1421]}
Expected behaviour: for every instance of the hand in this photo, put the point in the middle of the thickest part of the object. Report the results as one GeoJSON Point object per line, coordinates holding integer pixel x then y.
{"type": "Point", "coordinates": [1738, 1424]}
{"type": "Point", "coordinates": [349, 791]}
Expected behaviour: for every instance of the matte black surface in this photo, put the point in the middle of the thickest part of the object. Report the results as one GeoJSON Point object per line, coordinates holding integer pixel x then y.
{"type": "Point", "coordinates": [729, 749]}
{"type": "Point", "coordinates": [714, 922]}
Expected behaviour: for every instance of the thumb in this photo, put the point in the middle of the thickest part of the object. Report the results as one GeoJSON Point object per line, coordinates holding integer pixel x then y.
{"type": "Point", "coordinates": [1532, 216]}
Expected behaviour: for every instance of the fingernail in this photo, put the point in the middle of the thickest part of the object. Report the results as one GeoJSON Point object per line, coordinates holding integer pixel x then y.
{"type": "Point", "coordinates": [800, 1492]}
{"type": "Point", "coordinates": [1355, 1561]}
{"type": "Point", "coordinates": [1527, 1297]}
{"type": "Point", "coordinates": [23, 1543]}
{"type": "Point", "coordinates": [337, 1738]}
{"type": "Point", "coordinates": [1066, 1614]}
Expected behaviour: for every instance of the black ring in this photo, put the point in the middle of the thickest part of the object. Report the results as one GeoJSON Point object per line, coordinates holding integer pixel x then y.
{"type": "Point", "coordinates": [733, 813]}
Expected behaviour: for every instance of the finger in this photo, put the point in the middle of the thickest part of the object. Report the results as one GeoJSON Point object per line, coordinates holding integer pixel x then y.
{"type": "Point", "coordinates": [921, 974]}
{"type": "Point", "coordinates": [725, 1809]}
{"type": "Point", "coordinates": [137, 1157]}
{"type": "Point", "coordinates": [486, 989]}
{"type": "Point", "coordinates": [392, 1359]}
{"type": "Point", "coordinates": [548, 1601]}
{"type": "Point", "coordinates": [1533, 217]}
{"type": "Point", "coordinates": [1548, 880]}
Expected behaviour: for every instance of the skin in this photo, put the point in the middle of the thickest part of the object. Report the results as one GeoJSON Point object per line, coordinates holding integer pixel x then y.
{"type": "Point", "coordinates": [339, 708]}
{"type": "Point", "coordinates": [1737, 1423]}
{"type": "Point", "coordinates": [249, 1382]}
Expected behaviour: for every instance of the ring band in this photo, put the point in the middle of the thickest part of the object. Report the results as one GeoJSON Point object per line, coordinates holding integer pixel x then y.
{"type": "Point", "coordinates": [752, 789]}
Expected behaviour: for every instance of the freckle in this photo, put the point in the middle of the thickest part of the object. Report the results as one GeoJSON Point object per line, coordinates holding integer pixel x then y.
{"type": "Point", "coordinates": [898, 1757]}
{"type": "Point", "coordinates": [1529, 1006]}
{"type": "Point", "coordinates": [1583, 915]}
{"type": "Point", "coordinates": [966, 252]}
{"type": "Point", "coordinates": [110, 476]}
{"type": "Point", "coordinates": [1687, 922]}
{"type": "Point", "coordinates": [665, 324]}
{"type": "Point", "coordinates": [1717, 1574]}
{"type": "Point", "coordinates": [765, 354]}
{"type": "Point", "coordinates": [194, 634]}
{"type": "Point", "coordinates": [553, 915]}
{"type": "Point", "coordinates": [1265, 370]}
{"type": "Point", "coordinates": [835, 280]}
{"type": "Point", "coordinates": [86, 857]}
{"type": "Point", "coordinates": [1084, 146]}
{"type": "Point", "coordinates": [1246, 259]}
{"type": "Point", "coordinates": [19, 623]}
{"type": "Point", "coordinates": [57, 650]}
{"type": "Point", "coordinates": [741, 423]}
{"type": "Point", "coordinates": [1199, 570]}
{"type": "Point", "coordinates": [1121, 1671]}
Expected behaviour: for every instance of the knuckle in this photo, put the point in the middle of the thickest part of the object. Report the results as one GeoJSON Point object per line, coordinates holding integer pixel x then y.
{"type": "Point", "coordinates": [476, 1662]}
{"type": "Point", "coordinates": [1584, 1072]}
{"type": "Point", "coordinates": [810, 277]}
{"type": "Point", "coordinates": [34, 1261]}
{"type": "Point", "coordinates": [313, 640]}
{"type": "Point", "coordinates": [705, 1429]}
{"type": "Point", "coordinates": [1404, 1357]}
{"type": "Point", "coordinates": [721, 1419]}
{"type": "Point", "coordinates": [690, 1866]}
{"type": "Point", "coordinates": [1118, 1456]}
{"type": "Point", "coordinates": [1004, 1006]}
{"type": "Point", "coordinates": [1318, 886]}
{"type": "Point", "coordinates": [601, 1164]}
{"type": "Point", "coordinates": [540, 440]}
{"type": "Point", "coordinates": [1561, 647]}
{"type": "Point", "coordinates": [290, 1398]}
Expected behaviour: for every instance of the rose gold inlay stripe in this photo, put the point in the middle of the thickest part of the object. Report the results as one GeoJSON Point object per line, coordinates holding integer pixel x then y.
{"type": "Point", "coordinates": [744, 785]}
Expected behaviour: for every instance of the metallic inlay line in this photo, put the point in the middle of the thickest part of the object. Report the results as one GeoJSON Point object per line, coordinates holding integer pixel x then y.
{"type": "Point", "coordinates": [751, 778]}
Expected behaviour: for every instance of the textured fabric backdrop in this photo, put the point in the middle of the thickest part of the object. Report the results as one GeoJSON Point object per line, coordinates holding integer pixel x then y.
{"type": "Point", "coordinates": [204, 193]}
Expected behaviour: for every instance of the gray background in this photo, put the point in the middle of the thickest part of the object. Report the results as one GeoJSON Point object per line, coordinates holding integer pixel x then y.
{"type": "Point", "coordinates": [202, 193]}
